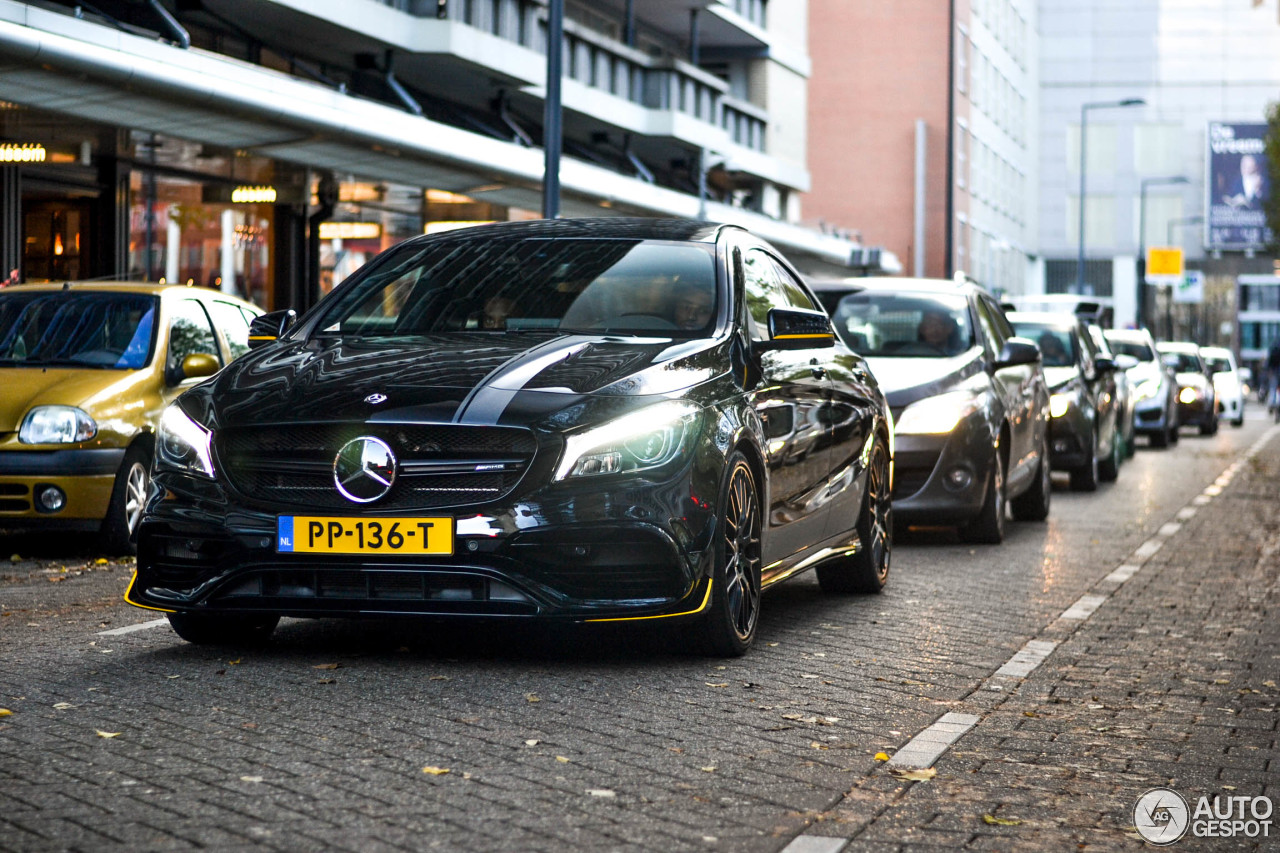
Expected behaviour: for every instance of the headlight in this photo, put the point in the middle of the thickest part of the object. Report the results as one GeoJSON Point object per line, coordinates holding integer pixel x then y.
{"type": "Point", "coordinates": [936, 415]}
{"type": "Point", "coordinates": [645, 439]}
{"type": "Point", "coordinates": [183, 445]}
{"type": "Point", "coordinates": [56, 425]}
{"type": "Point", "coordinates": [1147, 389]}
{"type": "Point", "coordinates": [1059, 404]}
{"type": "Point", "coordinates": [1188, 395]}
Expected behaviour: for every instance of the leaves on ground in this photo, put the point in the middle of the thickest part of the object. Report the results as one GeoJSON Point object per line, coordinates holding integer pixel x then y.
{"type": "Point", "coordinates": [924, 774]}
{"type": "Point", "coordinates": [323, 665]}
{"type": "Point", "coordinates": [531, 697]}
{"type": "Point", "coordinates": [435, 771]}
{"type": "Point", "coordinates": [101, 733]}
{"type": "Point", "coordinates": [1000, 821]}
{"type": "Point", "coordinates": [63, 706]}
{"type": "Point", "coordinates": [719, 684]}
{"type": "Point", "coordinates": [711, 769]}
{"type": "Point", "coordinates": [601, 792]}
{"type": "Point", "coordinates": [5, 712]}
{"type": "Point", "coordinates": [882, 756]}
{"type": "Point", "coordinates": [531, 742]}
{"type": "Point", "coordinates": [562, 759]}
{"type": "Point", "coordinates": [250, 778]}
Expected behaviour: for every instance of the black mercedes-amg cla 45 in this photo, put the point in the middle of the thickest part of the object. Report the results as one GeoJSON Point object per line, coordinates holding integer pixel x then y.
{"type": "Point", "coordinates": [591, 420]}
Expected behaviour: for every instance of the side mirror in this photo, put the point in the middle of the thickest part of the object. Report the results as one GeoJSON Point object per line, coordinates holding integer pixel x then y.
{"type": "Point", "coordinates": [193, 366]}
{"type": "Point", "coordinates": [796, 328]}
{"type": "Point", "coordinates": [268, 327]}
{"type": "Point", "coordinates": [1126, 362]}
{"type": "Point", "coordinates": [1103, 364]}
{"type": "Point", "coordinates": [1170, 361]}
{"type": "Point", "coordinates": [1017, 351]}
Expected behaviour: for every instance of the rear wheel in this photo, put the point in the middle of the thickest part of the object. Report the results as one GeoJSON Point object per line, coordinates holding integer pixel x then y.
{"type": "Point", "coordinates": [1033, 504]}
{"type": "Point", "coordinates": [224, 629]}
{"type": "Point", "coordinates": [1085, 478]}
{"type": "Point", "coordinates": [128, 497]}
{"type": "Point", "coordinates": [729, 627]}
{"type": "Point", "coordinates": [988, 527]}
{"type": "Point", "coordinates": [868, 569]}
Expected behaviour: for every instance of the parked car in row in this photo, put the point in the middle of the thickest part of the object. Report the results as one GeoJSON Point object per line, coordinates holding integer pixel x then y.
{"type": "Point", "coordinates": [588, 420]}
{"type": "Point", "coordinates": [969, 400]}
{"type": "Point", "coordinates": [87, 369]}
{"type": "Point", "coordinates": [1126, 396]}
{"type": "Point", "coordinates": [1197, 400]}
{"type": "Point", "coordinates": [1154, 384]}
{"type": "Point", "coordinates": [1085, 429]}
{"type": "Point", "coordinates": [1228, 385]}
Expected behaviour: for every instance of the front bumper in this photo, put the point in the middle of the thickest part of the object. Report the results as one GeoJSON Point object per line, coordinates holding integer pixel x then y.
{"type": "Point", "coordinates": [1199, 412]}
{"type": "Point", "coordinates": [1070, 440]}
{"type": "Point", "coordinates": [588, 551]}
{"type": "Point", "coordinates": [86, 477]}
{"type": "Point", "coordinates": [942, 479]}
{"type": "Point", "coordinates": [1150, 416]}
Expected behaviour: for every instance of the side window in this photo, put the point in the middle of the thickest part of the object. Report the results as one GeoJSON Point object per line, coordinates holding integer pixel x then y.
{"type": "Point", "coordinates": [1003, 326]}
{"type": "Point", "coordinates": [989, 331]}
{"type": "Point", "coordinates": [760, 290]}
{"type": "Point", "coordinates": [231, 323]}
{"type": "Point", "coordinates": [189, 334]}
{"type": "Point", "coordinates": [791, 289]}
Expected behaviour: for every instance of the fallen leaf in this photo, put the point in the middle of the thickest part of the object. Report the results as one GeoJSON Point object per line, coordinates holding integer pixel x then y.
{"type": "Point", "coordinates": [793, 716]}
{"type": "Point", "coordinates": [816, 745]}
{"type": "Point", "coordinates": [15, 558]}
{"type": "Point", "coordinates": [173, 676]}
{"type": "Point", "coordinates": [531, 742]}
{"type": "Point", "coordinates": [438, 678]}
{"type": "Point", "coordinates": [1229, 787]}
{"type": "Point", "coordinates": [56, 579]}
{"type": "Point", "coordinates": [250, 778]}
{"type": "Point", "coordinates": [1030, 714]}
{"type": "Point", "coordinates": [924, 774]}
{"type": "Point", "coordinates": [63, 706]}
{"type": "Point", "coordinates": [248, 725]}
{"type": "Point", "coordinates": [101, 733]}
{"type": "Point", "coordinates": [101, 561]}
{"type": "Point", "coordinates": [771, 645]}
{"type": "Point", "coordinates": [435, 771]}
{"type": "Point", "coordinates": [324, 665]}
{"type": "Point", "coordinates": [234, 662]}
{"type": "Point", "coordinates": [721, 684]}
{"type": "Point", "coordinates": [1222, 681]}
{"type": "Point", "coordinates": [601, 792]}
{"type": "Point", "coordinates": [562, 759]}
{"type": "Point", "coordinates": [1268, 684]}
{"type": "Point", "coordinates": [677, 750]}
{"type": "Point", "coordinates": [531, 697]}
{"type": "Point", "coordinates": [5, 712]}
{"type": "Point", "coordinates": [882, 756]}
{"type": "Point", "coordinates": [326, 681]}
{"type": "Point", "coordinates": [807, 675]}
{"type": "Point", "coordinates": [999, 821]}
{"type": "Point", "coordinates": [711, 769]}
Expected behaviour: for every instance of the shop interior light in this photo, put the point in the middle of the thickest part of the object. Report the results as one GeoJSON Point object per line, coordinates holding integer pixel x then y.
{"type": "Point", "coordinates": [350, 230]}
{"type": "Point", "coordinates": [440, 226]}
{"type": "Point", "coordinates": [253, 195]}
{"type": "Point", "coordinates": [26, 152]}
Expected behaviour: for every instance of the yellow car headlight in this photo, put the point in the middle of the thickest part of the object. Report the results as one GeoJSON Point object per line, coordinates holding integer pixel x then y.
{"type": "Point", "coordinates": [936, 415]}
{"type": "Point", "coordinates": [1059, 404]}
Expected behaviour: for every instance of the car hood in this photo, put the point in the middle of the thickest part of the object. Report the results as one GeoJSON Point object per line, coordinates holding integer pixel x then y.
{"type": "Point", "coordinates": [1143, 371]}
{"type": "Point", "coordinates": [87, 388]}
{"type": "Point", "coordinates": [465, 377]}
{"type": "Point", "coordinates": [1056, 377]}
{"type": "Point", "coordinates": [1194, 380]}
{"type": "Point", "coordinates": [906, 380]}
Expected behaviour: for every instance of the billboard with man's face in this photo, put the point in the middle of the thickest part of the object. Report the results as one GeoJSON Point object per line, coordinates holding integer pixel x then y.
{"type": "Point", "coordinates": [1237, 184]}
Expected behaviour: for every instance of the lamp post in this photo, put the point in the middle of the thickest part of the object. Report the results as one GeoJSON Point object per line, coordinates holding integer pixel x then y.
{"type": "Point", "coordinates": [1084, 122]}
{"type": "Point", "coordinates": [1141, 302]}
{"type": "Point", "coordinates": [552, 115]}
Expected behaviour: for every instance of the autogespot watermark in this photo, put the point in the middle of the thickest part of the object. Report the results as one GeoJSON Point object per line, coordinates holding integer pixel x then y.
{"type": "Point", "coordinates": [1162, 816]}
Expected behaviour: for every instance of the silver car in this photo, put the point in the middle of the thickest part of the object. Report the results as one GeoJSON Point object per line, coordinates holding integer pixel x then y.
{"type": "Point", "coordinates": [1155, 387]}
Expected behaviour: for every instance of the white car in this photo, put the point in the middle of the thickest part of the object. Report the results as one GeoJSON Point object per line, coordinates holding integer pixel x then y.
{"type": "Point", "coordinates": [1227, 384]}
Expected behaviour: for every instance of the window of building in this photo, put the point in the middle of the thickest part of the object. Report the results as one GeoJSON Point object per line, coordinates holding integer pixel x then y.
{"type": "Point", "coordinates": [1157, 148]}
{"type": "Point", "coordinates": [1101, 148]}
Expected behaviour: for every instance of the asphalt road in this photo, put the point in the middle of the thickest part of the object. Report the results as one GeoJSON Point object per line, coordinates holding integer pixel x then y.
{"type": "Point", "coordinates": [370, 736]}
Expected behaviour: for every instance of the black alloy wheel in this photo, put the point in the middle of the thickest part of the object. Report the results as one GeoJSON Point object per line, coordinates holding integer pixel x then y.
{"type": "Point", "coordinates": [988, 527]}
{"type": "Point", "coordinates": [1033, 504]}
{"type": "Point", "coordinates": [224, 629]}
{"type": "Point", "coordinates": [128, 497]}
{"type": "Point", "coordinates": [868, 569]}
{"type": "Point", "coordinates": [1085, 478]}
{"type": "Point", "coordinates": [730, 625]}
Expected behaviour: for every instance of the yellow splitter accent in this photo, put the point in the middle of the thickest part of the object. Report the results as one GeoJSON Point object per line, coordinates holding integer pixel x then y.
{"type": "Point", "coordinates": [304, 534]}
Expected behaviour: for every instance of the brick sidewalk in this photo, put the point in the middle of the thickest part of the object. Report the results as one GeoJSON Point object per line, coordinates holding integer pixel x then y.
{"type": "Point", "coordinates": [1172, 682]}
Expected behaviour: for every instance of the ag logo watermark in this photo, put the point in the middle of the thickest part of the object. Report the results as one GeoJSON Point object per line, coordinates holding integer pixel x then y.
{"type": "Point", "coordinates": [1162, 816]}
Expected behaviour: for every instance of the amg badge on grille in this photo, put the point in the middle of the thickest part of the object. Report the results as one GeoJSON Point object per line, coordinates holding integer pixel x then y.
{"type": "Point", "coordinates": [364, 469]}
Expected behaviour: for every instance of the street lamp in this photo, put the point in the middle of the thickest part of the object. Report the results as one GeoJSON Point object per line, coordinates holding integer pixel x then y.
{"type": "Point", "coordinates": [1141, 302]}
{"type": "Point", "coordinates": [1084, 121]}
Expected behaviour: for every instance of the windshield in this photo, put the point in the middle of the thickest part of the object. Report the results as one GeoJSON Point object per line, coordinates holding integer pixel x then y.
{"type": "Point", "coordinates": [1185, 362]}
{"type": "Point", "coordinates": [1057, 346]}
{"type": "Point", "coordinates": [76, 328]}
{"type": "Point", "coordinates": [1218, 365]}
{"type": "Point", "coordinates": [1142, 352]}
{"type": "Point", "coordinates": [904, 325]}
{"type": "Point", "coordinates": [626, 287]}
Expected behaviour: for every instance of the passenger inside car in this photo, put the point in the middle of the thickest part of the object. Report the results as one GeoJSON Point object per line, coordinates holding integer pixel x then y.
{"type": "Point", "coordinates": [1053, 352]}
{"type": "Point", "coordinates": [693, 304]}
{"type": "Point", "coordinates": [939, 331]}
{"type": "Point", "coordinates": [496, 312]}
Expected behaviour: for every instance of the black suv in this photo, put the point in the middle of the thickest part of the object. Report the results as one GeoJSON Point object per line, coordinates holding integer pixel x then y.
{"type": "Point", "coordinates": [969, 399]}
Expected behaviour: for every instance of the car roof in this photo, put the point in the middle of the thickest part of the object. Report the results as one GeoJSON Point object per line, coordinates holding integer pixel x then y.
{"type": "Point", "coordinates": [122, 287]}
{"type": "Point", "coordinates": [1178, 346]}
{"type": "Point", "coordinates": [1045, 318]}
{"type": "Point", "coordinates": [600, 228]}
{"type": "Point", "coordinates": [1137, 336]}
{"type": "Point", "coordinates": [1216, 352]}
{"type": "Point", "coordinates": [895, 284]}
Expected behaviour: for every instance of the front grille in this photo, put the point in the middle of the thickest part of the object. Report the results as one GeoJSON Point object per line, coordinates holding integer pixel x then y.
{"type": "Point", "coordinates": [13, 498]}
{"type": "Point", "coordinates": [439, 464]}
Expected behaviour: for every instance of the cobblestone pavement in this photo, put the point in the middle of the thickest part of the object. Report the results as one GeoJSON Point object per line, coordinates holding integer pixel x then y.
{"type": "Point", "coordinates": [333, 736]}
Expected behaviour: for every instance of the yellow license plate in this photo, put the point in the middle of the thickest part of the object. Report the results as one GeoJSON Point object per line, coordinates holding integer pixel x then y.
{"type": "Point", "coordinates": [303, 534]}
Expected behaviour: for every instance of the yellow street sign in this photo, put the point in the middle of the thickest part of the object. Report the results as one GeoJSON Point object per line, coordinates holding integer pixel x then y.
{"type": "Point", "coordinates": [1164, 261]}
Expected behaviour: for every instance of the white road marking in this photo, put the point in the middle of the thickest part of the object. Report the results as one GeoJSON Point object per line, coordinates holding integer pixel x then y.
{"type": "Point", "coordinates": [1123, 573]}
{"type": "Point", "coordinates": [926, 747]}
{"type": "Point", "coordinates": [1147, 549]}
{"type": "Point", "coordinates": [1027, 659]}
{"type": "Point", "coordinates": [815, 844]}
{"type": "Point", "coordinates": [129, 629]}
{"type": "Point", "coordinates": [1084, 607]}
{"type": "Point", "coordinates": [1187, 513]}
{"type": "Point", "coordinates": [1169, 529]}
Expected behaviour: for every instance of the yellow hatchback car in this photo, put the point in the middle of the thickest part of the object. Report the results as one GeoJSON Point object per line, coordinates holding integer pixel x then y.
{"type": "Point", "coordinates": [85, 371]}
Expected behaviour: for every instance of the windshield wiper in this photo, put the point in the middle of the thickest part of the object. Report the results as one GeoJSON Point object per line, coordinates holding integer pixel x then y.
{"type": "Point", "coordinates": [52, 362]}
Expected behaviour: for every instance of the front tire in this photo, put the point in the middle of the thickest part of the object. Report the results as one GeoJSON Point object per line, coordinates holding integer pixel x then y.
{"type": "Point", "coordinates": [224, 629]}
{"type": "Point", "coordinates": [729, 627]}
{"type": "Point", "coordinates": [988, 527]}
{"type": "Point", "coordinates": [128, 497]}
{"type": "Point", "coordinates": [1033, 504]}
{"type": "Point", "coordinates": [1109, 468]}
{"type": "Point", "coordinates": [1085, 478]}
{"type": "Point", "coordinates": [868, 569]}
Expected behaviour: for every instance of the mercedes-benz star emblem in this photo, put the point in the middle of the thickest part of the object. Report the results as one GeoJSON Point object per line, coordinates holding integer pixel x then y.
{"type": "Point", "coordinates": [375, 399]}
{"type": "Point", "coordinates": [364, 469]}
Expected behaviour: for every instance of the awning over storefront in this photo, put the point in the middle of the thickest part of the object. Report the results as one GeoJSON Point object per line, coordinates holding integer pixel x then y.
{"type": "Point", "coordinates": [55, 62]}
